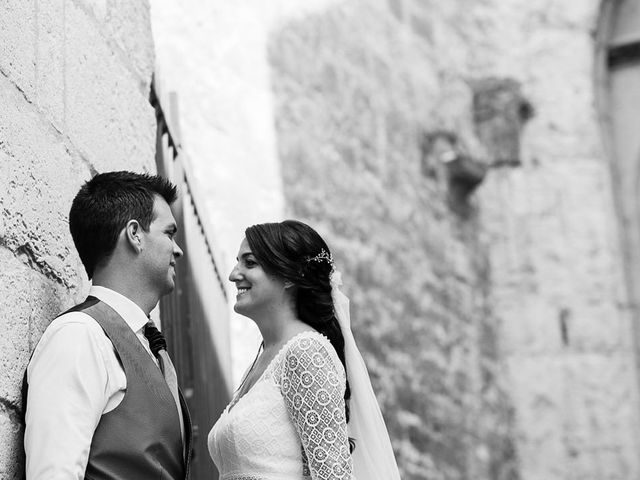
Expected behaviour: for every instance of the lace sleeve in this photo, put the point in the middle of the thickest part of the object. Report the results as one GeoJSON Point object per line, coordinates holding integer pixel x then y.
{"type": "Point", "coordinates": [313, 383]}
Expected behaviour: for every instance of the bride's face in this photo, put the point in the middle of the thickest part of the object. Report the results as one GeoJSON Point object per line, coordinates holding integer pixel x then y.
{"type": "Point", "coordinates": [257, 290]}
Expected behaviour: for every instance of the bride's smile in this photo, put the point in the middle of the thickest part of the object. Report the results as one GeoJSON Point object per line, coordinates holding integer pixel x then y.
{"type": "Point", "coordinates": [256, 289]}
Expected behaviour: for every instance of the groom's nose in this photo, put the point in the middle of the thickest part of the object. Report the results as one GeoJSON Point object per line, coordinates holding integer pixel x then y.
{"type": "Point", "coordinates": [177, 251]}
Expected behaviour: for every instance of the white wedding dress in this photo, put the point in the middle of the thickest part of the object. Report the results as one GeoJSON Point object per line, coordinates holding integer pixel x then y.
{"type": "Point", "coordinates": [290, 424]}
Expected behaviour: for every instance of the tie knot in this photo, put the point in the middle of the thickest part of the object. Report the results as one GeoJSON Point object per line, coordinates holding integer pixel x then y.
{"type": "Point", "coordinates": [155, 337]}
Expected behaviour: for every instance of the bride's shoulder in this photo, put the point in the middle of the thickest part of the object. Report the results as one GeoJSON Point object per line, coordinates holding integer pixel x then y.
{"type": "Point", "coordinates": [309, 347]}
{"type": "Point", "coordinates": [307, 341]}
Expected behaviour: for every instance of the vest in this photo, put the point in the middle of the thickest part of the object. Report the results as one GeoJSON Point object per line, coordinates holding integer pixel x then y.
{"type": "Point", "coordinates": [140, 439]}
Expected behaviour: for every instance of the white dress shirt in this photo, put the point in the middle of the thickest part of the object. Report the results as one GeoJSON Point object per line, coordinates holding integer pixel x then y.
{"type": "Point", "coordinates": [74, 378]}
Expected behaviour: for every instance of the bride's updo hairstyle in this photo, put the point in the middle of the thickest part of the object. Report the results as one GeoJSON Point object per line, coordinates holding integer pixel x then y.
{"type": "Point", "coordinates": [294, 251]}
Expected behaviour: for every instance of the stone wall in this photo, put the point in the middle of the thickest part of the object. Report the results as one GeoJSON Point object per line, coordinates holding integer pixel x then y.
{"type": "Point", "coordinates": [557, 283]}
{"type": "Point", "coordinates": [361, 111]}
{"type": "Point", "coordinates": [497, 327]}
{"type": "Point", "coordinates": [74, 89]}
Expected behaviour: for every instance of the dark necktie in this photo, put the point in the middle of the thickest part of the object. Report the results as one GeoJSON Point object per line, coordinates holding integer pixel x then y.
{"type": "Point", "coordinates": [156, 339]}
{"type": "Point", "coordinates": [158, 346]}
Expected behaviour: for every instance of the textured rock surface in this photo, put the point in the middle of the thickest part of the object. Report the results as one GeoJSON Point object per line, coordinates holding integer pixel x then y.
{"type": "Point", "coordinates": [355, 93]}
{"type": "Point", "coordinates": [499, 341]}
{"type": "Point", "coordinates": [557, 279]}
{"type": "Point", "coordinates": [74, 87]}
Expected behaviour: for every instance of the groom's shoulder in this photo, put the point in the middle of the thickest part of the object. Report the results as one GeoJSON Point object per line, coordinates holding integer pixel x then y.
{"type": "Point", "coordinates": [73, 321]}
{"type": "Point", "coordinates": [73, 330]}
{"type": "Point", "coordinates": [75, 318]}
{"type": "Point", "coordinates": [88, 303]}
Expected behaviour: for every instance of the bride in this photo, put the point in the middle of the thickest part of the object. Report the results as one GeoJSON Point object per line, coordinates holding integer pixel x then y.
{"type": "Point", "coordinates": [305, 408]}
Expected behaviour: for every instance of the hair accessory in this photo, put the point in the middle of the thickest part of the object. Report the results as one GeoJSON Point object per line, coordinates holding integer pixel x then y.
{"type": "Point", "coordinates": [323, 256]}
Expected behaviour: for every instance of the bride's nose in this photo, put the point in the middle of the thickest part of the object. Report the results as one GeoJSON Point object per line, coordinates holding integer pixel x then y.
{"type": "Point", "coordinates": [234, 276]}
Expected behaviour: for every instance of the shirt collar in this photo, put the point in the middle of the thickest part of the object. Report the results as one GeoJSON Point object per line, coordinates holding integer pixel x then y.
{"type": "Point", "coordinates": [131, 313]}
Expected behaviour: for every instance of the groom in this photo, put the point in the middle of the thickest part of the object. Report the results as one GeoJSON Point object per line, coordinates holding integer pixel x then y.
{"type": "Point", "coordinates": [102, 399]}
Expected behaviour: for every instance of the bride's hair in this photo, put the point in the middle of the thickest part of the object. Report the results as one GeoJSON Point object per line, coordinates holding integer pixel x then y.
{"type": "Point", "coordinates": [294, 251]}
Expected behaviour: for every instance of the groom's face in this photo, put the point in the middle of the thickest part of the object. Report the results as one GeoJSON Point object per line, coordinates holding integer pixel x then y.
{"type": "Point", "coordinates": [160, 250]}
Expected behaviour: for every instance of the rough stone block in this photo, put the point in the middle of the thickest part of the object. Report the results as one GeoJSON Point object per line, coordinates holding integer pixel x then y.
{"type": "Point", "coordinates": [538, 395]}
{"type": "Point", "coordinates": [597, 419]}
{"type": "Point", "coordinates": [112, 123]}
{"type": "Point", "coordinates": [28, 303]}
{"type": "Point", "coordinates": [50, 68]}
{"type": "Point", "coordinates": [18, 44]}
{"type": "Point", "coordinates": [398, 8]}
{"type": "Point", "coordinates": [561, 91]}
{"type": "Point", "coordinates": [96, 8]}
{"type": "Point", "coordinates": [581, 16]}
{"type": "Point", "coordinates": [11, 449]}
{"type": "Point", "coordinates": [38, 179]}
{"type": "Point", "coordinates": [128, 23]}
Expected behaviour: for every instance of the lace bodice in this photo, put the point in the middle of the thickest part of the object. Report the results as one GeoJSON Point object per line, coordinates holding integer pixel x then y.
{"type": "Point", "coordinates": [290, 425]}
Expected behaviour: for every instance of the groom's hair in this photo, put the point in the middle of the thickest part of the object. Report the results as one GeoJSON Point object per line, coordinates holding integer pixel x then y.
{"type": "Point", "coordinates": [105, 204]}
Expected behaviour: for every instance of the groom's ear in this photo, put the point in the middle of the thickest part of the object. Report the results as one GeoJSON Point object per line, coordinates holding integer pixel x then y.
{"type": "Point", "coordinates": [132, 233]}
